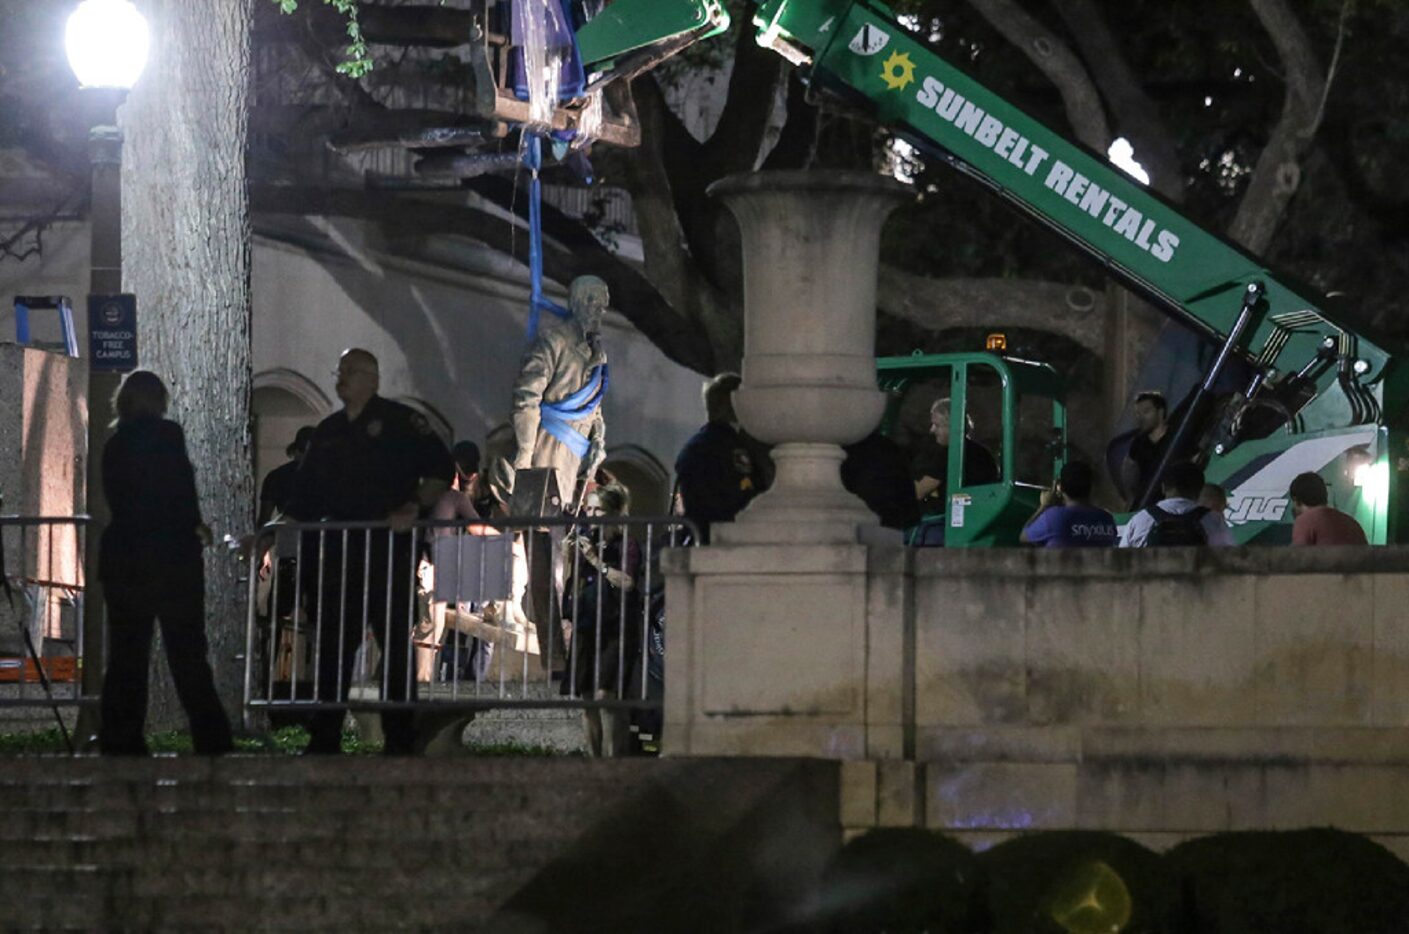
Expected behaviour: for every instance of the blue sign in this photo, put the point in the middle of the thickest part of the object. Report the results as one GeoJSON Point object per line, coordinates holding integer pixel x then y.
{"type": "Point", "coordinates": [112, 332]}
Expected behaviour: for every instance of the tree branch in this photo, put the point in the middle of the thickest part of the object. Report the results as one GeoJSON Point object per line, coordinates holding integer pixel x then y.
{"type": "Point", "coordinates": [1056, 61]}
{"type": "Point", "coordinates": [428, 26]}
{"type": "Point", "coordinates": [1277, 175]}
{"type": "Point", "coordinates": [743, 125]}
{"type": "Point", "coordinates": [797, 143]}
{"type": "Point", "coordinates": [661, 215]}
{"type": "Point", "coordinates": [1136, 116]}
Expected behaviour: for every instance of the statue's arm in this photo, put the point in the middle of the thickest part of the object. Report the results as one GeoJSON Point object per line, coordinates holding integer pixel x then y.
{"type": "Point", "coordinates": [534, 373]}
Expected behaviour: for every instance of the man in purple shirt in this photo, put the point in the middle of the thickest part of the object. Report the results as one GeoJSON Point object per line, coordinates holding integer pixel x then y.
{"type": "Point", "coordinates": [1066, 518]}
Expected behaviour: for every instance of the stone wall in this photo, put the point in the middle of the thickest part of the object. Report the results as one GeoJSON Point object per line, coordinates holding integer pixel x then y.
{"type": "Point", "coordinates": [1160, 694]}
{"type": "Point", "coordinates": [448, 328]}
{"type": "Point", "coordinates": [43, 431]}
{"type": "Point", "coordinates": [43, 440]}
{"type": "Point", "coordinates": [1164, 693]}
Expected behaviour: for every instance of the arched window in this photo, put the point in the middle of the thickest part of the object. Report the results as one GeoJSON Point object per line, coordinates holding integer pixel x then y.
{"type": "Point", "coordinates": [642, 473]}
{"type": "Point", "coordinates": [283, 402]}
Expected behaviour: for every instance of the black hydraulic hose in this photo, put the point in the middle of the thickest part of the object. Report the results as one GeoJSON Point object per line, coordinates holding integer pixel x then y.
{"type": "Point", "coordinates": [1252, 296]}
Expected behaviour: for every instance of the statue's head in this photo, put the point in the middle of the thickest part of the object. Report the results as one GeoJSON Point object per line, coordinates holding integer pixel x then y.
{"type": "Point", "coordinates": [589, 298]}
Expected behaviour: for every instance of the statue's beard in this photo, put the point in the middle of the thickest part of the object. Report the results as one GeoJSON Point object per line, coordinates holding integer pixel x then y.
{"type": "Point", "coordinates": [591, 327]}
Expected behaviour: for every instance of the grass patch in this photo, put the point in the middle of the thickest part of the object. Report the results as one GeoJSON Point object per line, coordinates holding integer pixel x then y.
{"type": "Point", "coordinates": [32, 743]}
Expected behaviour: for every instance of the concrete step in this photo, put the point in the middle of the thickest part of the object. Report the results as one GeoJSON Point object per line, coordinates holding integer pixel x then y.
{"type": "Point", "coordinates": [201, 853]}
{"type": "Point", "coordinates": [325, 770]}
{"type": "Point", "coordinates": [94, 898]}
{"type": "Point", "coordinates": [364, 843]}
{"type": "Point", "coordinates": [470, 796]}
{"type": "Point", "coordinates": [216, 913]}
{"type": "Point", "coordinates": [254, 824]}
{"type": "Point", "coordinates": [345, 882]}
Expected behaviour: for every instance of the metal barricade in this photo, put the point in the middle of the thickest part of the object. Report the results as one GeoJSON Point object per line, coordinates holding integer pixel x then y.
{"type": "Point", "coordinates": [509, 612]}
{"type": "Point", "coordinates": [41, 644]}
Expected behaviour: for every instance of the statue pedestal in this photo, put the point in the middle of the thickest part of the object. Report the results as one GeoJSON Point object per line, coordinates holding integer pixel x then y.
{"type": "Point", "coordinates": [786, 650]}
{"type": "Point", "coordinates": [786, 633]}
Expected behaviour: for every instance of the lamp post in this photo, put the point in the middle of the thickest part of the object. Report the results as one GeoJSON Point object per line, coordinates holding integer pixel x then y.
{"type": "Point", "coordinates": [106, 42]}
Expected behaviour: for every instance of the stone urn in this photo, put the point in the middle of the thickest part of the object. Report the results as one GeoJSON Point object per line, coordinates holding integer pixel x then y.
{"type": "Point", "coordinates": [811, 243]}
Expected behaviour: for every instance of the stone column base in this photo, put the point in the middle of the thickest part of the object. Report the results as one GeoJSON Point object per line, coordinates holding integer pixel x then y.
{"type": "Point", "coordinates": [787, 650]}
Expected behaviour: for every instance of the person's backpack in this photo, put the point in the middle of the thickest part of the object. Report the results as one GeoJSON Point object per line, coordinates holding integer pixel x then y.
{"type": "Point", "coordinates": [1186, 528]}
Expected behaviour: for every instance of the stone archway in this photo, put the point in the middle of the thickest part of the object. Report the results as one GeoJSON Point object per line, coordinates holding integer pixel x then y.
{"type": "Point", "coordinates": [644, 476]}
{"type": "Point", "coordinates": [283, 402]}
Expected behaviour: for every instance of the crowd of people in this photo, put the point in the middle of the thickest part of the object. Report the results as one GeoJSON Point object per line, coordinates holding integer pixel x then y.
{"type": "Point", "coordinates": [378, 461]}
{"type": "Point", "coordinates": [721, 469]}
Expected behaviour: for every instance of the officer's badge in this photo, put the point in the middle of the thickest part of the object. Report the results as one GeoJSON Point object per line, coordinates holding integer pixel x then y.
{"type": "Point", "coordinates": [743, 463]}
{"type": "Point", "coordinates": [418, 422]}
{"type": "Point", "coordinates": [374, 428]}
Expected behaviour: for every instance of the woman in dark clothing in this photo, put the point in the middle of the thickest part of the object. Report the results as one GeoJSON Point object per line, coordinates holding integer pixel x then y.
{"type": "Point", "coordinates": [150, 567]}
{"type": "Point", "coordinates": [604, 612]}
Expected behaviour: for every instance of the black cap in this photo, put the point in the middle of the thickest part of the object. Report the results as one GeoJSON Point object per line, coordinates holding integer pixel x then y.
{"type": "Point", "coordinates": [300, 442]}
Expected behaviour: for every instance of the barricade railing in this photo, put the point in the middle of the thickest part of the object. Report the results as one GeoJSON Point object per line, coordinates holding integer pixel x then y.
{"type": "Point", "coordinates": [508, 612]}
{"type": "Point", "coordinates": [41, 642]}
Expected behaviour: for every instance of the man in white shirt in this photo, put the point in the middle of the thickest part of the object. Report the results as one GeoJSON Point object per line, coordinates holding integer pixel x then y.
{"type": "Point", "coordinates": [1178, 519]}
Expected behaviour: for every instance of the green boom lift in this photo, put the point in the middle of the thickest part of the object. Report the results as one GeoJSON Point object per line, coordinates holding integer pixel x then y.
{"type": "Point", "coordinates": [1311, 394]}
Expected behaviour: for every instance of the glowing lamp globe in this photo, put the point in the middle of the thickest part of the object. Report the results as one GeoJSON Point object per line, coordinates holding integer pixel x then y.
{"type": "Point", "coordinates": [106, 42]}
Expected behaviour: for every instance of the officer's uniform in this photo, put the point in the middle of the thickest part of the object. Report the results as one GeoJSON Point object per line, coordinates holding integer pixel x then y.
{"type": "Point", "coordinates": [361, 470]}
{"type": "Point", "coordinates": [719, 472]}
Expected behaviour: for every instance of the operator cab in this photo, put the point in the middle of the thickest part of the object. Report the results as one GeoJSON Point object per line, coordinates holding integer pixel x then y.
{"type": "Point", "coordinates": [995, 468]}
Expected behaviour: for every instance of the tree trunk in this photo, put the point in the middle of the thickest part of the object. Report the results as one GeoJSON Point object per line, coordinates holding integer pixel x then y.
{"type": "Point", "coordinates": [186, 232]}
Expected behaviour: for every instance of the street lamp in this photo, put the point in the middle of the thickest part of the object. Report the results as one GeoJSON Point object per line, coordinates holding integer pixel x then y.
{"type": "Point", "coordinates": [107, 43]}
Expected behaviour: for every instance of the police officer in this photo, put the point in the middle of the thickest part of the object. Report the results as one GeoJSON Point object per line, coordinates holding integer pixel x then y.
{"type": "Point", "coordinates": [720, 469]}
{"type": "Point", "coordinates": [375, 460]}
{"type": "Point", "coordinates": [278, 484]}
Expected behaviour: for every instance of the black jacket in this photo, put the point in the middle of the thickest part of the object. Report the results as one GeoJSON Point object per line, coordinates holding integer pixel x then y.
{"type": "Point", "coordinates": [150, 486]}
{"type": "Point", "coordinates": [363, 468]}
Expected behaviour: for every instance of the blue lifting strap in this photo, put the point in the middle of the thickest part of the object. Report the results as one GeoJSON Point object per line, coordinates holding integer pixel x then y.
{"type": "Point", "coordinates": [533, 160]}
{"type": "Point", "coordinates": [557, 417]}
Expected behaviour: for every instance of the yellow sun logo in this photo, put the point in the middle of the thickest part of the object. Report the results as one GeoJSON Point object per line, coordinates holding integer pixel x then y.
{"type": "Point", "coordinates": [898, 71]}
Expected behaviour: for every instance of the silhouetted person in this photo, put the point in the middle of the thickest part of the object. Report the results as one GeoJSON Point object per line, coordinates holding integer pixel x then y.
{"type": "Point", "coordinates": [278, 486]}
{"type": "Point", "coordinates": [1318, 522]}
{"type": "Point", "coordinates": [1178, 519]}
{"type": "Point", "coordinates": [150, 566]}
{"type": "Point", "coordinates": [930, 468]}
{"type": "Point", "coordinates": [1147, 447]}
{"type": "Point", "coordinates": [374, 460]}
{"type": "Point", "coordinates": [877, 470]}
{"type": "Point", "coordinates": [719, 470]}
{"type": "Point", "coordinates": [1065, 517]}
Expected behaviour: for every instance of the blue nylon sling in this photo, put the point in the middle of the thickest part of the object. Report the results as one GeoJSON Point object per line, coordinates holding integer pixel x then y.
{"type": "Point", "coordinates": [557, 417]}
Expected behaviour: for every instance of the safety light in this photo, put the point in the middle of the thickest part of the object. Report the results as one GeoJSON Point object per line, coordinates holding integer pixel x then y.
{"type": "Point", "coordinates": [1373, 481]}
{"type": "Point", "coordinates": [107, 43]}
{"type": "Point", "coordinates": [997, 343]}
